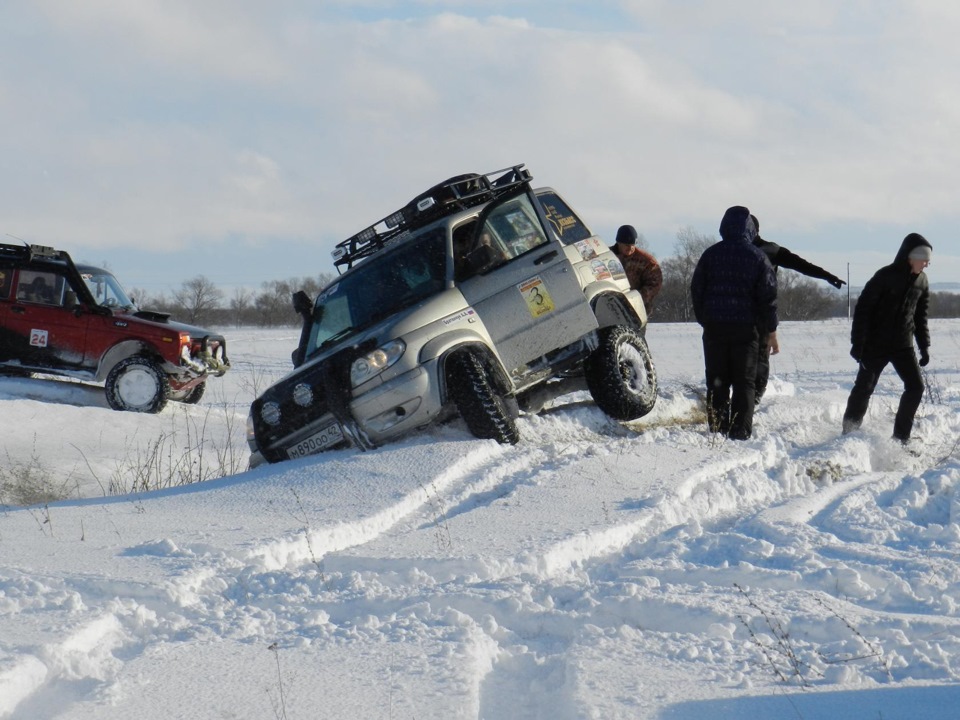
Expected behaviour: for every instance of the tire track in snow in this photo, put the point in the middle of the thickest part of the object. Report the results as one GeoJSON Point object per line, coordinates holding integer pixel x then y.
{"type": "Point", "coordinates": [340, 535]}
{"type": "Point", "coordinates": [200, 595]}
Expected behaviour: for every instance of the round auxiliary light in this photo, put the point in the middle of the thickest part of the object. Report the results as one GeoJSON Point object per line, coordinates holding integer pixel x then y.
{"type": "Point", "coordinates": [270, 412]}
{"type": "Point", "coordinates": [303, 395]}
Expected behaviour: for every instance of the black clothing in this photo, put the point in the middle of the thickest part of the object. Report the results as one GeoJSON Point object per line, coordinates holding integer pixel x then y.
{"type": "Point", "coordinates": [781, 257]}
{"type": "Point", "coordinates": [891, 311]}
{"type": "Point", "coordinates": [730, 357]}
{"type": "Point", "coordinates": [890, 314]}
{"type": "Point", "coordinates": [905, 363]}
{"type": "Point", "coordinates": [763, 367]}
{"type": "Point", "coordinates": [733, 282]}
{"type": "Point", "coordinates": [734, 293]}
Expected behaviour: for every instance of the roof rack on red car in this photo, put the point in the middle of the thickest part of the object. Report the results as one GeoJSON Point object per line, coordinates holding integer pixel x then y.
{"type": "Point", "coordinates": [30, 252]}
{"type": "Point", "coordinates": [452, 195]}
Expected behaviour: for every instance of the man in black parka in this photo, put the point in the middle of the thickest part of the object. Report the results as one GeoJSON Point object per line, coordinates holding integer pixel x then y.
{"type": "Point", "coordinates": [890, 314]}
{"type": "Point", "coordinates": [734, 291]}
{"type": "Point", "coordinates": [779, 257]}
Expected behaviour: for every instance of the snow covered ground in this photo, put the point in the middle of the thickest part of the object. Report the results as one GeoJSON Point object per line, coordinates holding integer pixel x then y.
{"type": "Point", "coordinates": [595, 570]}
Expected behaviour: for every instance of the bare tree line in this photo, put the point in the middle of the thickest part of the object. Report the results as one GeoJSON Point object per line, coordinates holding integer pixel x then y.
{"type": "Point", "coordinates": [200, 301]}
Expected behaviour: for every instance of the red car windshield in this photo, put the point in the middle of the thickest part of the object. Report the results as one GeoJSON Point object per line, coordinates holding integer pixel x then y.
{"type": "Point", "coordinates": [107, 291]}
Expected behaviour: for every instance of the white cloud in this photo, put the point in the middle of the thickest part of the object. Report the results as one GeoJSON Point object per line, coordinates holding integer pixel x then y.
{"type": "Point", "coordinates": [216, 37]}
{"type": "Point", "coordinates": [181, 122]}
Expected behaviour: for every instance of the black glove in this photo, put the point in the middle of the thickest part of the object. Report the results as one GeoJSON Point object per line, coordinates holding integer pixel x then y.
{"type": "Point", "coordinates": [856, 353]}
{"type": "Point", "coordinates": [924, 357]}
{"type": "Point", "coordinates": [836, 282]}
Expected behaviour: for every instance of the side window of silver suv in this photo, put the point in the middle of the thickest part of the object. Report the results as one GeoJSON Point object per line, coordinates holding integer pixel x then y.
{"type": "Point", "coordinates": [515, 227]}
{"type": "Point", "coordinates": [510, 231]}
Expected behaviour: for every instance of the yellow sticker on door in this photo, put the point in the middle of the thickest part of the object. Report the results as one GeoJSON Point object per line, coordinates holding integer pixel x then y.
{"type": "Point", "coordinates": [536, 296]}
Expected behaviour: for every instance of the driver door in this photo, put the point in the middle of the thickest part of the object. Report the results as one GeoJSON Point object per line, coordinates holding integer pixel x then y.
{"type": "Point", "coordinates": [527, 295]}
{"type": "Point", "coordinates": [47, 331]}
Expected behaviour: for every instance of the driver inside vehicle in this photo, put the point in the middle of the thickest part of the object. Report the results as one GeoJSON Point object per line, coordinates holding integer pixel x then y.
{"type": "Point", "coordinates": [484, 256]}
{"type": "Point", "coordinates": [39, 291]}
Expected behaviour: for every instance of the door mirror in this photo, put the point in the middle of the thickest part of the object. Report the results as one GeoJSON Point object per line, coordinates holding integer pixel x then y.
{"type": "Point", "coordinates": [301, 303]}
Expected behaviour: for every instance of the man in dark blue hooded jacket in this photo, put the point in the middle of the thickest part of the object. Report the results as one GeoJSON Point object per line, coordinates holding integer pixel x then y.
{"type": "Point", "coordinates": [891, 313]}
{"type": "Point", "coordinates": [734, 291]}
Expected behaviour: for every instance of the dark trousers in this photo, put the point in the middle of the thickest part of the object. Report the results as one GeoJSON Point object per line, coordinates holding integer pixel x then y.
{"type": "Point", "coordinates": [905, 363]}
{"type": "Point", "coordinates": [763, 365]}
{"type": "Point", "coordinates": [730, 359]}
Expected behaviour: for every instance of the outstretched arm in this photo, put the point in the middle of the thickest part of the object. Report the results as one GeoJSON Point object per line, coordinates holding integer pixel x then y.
{"type": "Point", "coordinates": [792, 261]}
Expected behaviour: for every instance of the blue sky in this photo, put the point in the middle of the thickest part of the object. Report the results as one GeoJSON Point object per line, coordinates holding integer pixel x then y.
{"type": "Point", "coordinates": [241, 139]}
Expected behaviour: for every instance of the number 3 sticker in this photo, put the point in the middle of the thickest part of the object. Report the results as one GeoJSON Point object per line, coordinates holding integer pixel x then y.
{"type": "Point", "coordinates": [536, 296]}
{"type": "Point", "coordinates": [38, 338]}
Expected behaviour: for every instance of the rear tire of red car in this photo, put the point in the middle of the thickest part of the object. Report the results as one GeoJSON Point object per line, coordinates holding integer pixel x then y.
{"type": "Point", "coordinates": [137, 384]}
{"type": "Point", "coordinates": [191, 396]}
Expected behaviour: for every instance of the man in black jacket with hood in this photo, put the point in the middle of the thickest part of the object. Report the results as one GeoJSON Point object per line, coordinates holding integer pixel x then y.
{"type": "Point", "coordinates": [890, 314]}
{"type": "Point", "coordinates": [780, 257]}
{"type": "Point", "coordinates": [734, 291]}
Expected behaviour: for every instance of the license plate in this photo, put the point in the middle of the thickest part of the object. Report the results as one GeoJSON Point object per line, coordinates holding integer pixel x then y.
{"type": "Point", "coordinates": [328, 437]}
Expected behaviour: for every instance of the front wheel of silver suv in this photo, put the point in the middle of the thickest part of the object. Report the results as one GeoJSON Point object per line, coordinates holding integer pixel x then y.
{"type": "Point", "coordinates": [620, 374]}
{"type": "Point", "coordinates": [486, 413]}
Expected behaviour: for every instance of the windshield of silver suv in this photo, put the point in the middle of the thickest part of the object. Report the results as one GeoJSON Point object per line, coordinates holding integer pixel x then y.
{"type": "Point", "coordinates": [412, 272]}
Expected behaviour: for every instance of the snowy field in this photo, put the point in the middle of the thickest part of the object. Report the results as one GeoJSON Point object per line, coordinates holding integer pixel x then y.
{"type": "Point", "coordinates": [595, 570]}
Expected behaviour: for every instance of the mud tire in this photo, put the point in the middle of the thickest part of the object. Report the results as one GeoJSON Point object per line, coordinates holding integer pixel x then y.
{"type": "Point", "coordinates": [486, 413]}
{"type": "Point", "coordinates": [620, 374]}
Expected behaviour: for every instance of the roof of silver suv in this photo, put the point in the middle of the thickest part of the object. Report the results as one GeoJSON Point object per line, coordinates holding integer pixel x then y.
{"type": "Point", "coordinates": [453, 195]}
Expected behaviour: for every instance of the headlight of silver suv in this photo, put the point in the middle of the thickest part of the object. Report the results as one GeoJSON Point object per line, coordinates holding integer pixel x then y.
{"type": "Point", "coordinates": [375, 362]}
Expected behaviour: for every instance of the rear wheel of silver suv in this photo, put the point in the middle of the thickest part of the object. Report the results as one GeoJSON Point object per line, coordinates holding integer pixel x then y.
{"type": "Point", "coordinates": [487, 415]}
{"type": "Point", "coordinates": [137, 384]}
{"type": "Point", "coordinates": [620, 374]}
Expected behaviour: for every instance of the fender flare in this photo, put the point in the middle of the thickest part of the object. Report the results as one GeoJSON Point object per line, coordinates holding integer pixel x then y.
{"type": "Point", "coordinates": [488, 358]}
{"type": "Point", "coordinates": [121, 351]}
{"type": "Point", "coordinates": [618, 308]}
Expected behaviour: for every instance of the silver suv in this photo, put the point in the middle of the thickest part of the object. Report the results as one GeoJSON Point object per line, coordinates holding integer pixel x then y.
{"type": "Point", "coordinates": [482, 297]}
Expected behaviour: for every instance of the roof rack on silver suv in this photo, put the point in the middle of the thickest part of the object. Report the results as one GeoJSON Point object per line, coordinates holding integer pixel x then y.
{"type": "Point", "coordinates": [453, 195]}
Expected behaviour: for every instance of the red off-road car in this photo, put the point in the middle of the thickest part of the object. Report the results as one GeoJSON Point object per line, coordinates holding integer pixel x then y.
{"type": "Point", "coordinates": [76, 320]}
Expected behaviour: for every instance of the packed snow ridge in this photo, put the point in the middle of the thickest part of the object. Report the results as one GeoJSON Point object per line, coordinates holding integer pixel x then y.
{"type": "Point", "coordinates": [594, 570]}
